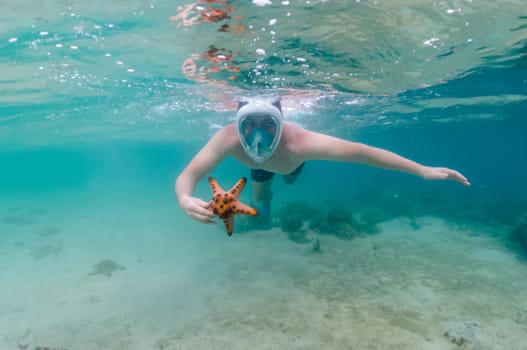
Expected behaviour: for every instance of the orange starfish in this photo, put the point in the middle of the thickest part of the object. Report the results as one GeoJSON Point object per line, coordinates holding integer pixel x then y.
{"type": "Point", "coordinates": [226, 204]}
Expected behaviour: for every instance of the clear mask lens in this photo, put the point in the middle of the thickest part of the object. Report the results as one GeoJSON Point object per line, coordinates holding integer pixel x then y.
{"type": "Point", "coordinates": [259, 134]}
{"type": "Point", "coordinates": [259, 142]}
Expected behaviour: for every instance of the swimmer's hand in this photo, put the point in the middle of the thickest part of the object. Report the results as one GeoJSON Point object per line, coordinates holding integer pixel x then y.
{"type": "Point", "coordinates": [197, 209]}
{"type": "Point", "coordinates": [437, 173]}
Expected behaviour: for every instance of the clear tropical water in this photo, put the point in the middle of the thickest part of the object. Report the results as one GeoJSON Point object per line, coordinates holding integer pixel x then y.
{"type": "Point", "coordinates": [97, 119]}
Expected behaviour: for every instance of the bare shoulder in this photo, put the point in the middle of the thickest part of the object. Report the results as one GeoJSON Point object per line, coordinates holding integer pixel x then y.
{"type": "Point", "coordinates": [297, 139]}
{"type": "Point", "coordinates": [226, 135]}
{"type": "Point", "coordinates": [225, 141]}
{"type": "Point", "coordinates": [300, 137]}
{"type": "Point", "coordinates": [294, 132]}
{"type": "Point", "coordinates": [314, 145]}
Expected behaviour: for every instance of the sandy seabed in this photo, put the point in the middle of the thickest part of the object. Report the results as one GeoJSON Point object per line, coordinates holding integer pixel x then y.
{"type": "Point", "coordinates": [424, 284]}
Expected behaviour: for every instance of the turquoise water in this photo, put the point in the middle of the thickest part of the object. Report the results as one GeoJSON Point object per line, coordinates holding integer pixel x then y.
{"type": "Point", "coordinates": [97, 119]}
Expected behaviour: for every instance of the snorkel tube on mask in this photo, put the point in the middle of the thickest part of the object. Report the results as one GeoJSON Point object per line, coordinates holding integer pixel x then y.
{"type": "Point", "coordinates": [259, 125]}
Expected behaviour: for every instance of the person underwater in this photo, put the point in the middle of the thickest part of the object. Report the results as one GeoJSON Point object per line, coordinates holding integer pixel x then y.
{"type": "Point", "coordinates": [261, 140]}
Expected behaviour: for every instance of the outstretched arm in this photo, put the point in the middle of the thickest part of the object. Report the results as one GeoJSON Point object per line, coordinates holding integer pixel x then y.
{"type": "Point", "coordinates": [326, 147]}
{"type": "Point", "coordinates": [203, 163]}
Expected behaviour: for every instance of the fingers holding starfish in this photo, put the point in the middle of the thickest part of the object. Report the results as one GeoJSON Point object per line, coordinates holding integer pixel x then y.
{"type": "Point", "coordinates": [199, 210]}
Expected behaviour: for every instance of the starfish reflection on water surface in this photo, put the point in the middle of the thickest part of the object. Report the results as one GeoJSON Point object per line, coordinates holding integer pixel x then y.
{"type": "Point", "coordinates": [226, 204]}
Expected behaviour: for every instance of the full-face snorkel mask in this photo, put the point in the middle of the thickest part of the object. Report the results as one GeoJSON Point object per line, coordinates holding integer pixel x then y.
{"type": "Point", "coordinates": [259, 125]}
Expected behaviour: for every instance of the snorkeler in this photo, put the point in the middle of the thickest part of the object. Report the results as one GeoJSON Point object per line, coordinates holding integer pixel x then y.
{"type": "Point", "coordinates": [265, 143]}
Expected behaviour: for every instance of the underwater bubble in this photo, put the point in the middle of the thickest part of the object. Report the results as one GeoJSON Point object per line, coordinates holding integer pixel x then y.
{"type": "Point", "coordinates": [260, 52]}
{"type": "Point", "coordinates": [13, 40]}
{"type": "Point", "coordinates": [262, 2]}
{"type": "Point", "coordinates": [430, 42]}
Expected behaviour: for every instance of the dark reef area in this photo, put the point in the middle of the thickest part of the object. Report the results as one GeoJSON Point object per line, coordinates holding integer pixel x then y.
{"type": "Point", "coordinates": [359, 216]}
